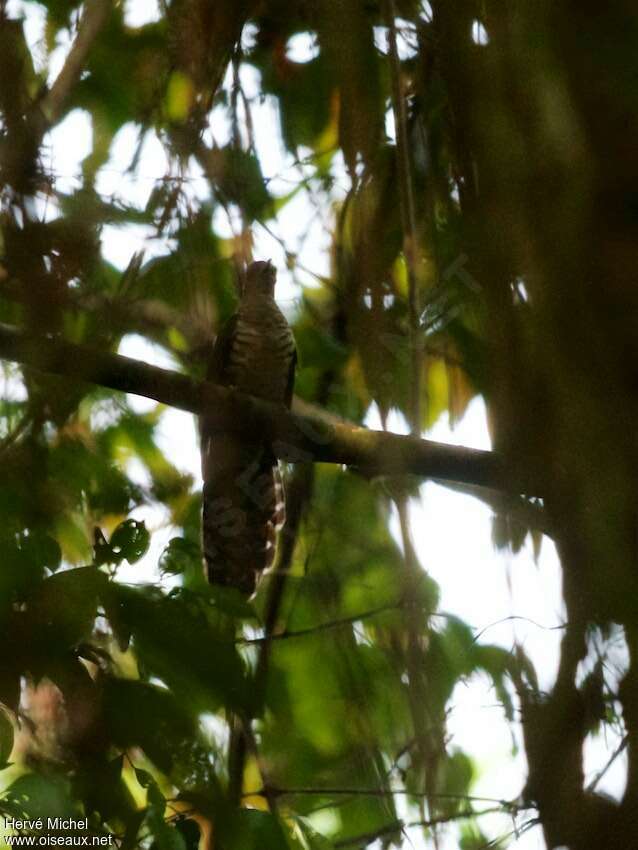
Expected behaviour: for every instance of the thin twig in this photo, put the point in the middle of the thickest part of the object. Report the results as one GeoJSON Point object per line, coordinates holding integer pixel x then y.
{"type": "Point", "coordinates": [512, 617]}
{"type": "Point", "coordinates": [322, 627]}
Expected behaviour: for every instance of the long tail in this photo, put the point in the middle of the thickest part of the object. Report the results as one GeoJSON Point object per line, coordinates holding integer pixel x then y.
{"type": "Point", "coordinates": [243, 510]}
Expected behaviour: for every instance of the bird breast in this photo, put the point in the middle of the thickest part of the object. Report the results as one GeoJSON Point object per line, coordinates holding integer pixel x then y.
{"type": "Point", "coordinates": [261, 355]}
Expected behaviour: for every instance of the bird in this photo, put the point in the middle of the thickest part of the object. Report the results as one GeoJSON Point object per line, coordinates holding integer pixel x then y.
{"type": "Point", "coordinates": [243, 496]}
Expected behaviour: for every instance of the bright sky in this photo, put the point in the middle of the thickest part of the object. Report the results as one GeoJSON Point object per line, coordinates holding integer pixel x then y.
{"type": "Point", "coordinates": [452, 532]}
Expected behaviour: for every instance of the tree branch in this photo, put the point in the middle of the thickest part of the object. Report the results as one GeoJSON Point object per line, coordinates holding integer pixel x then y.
{"type": "Point", "coordinates": [305, 434]}
{"type": "Point", "coordinates": [323, 627]}
{"type": "Point", "coordinates": [507, 805]}
{"type": "Point", "coordinates": [93, 19]}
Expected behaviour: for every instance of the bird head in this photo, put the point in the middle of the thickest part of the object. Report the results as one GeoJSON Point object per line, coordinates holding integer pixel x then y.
{"type": "Point", "coordinates": [260, 278]}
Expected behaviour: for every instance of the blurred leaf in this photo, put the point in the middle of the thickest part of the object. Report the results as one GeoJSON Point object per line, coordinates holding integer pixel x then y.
{"type": "Point", "coordinates": [190, 833]}
{"type": "Point", "coordinates": [41, 796]}
{"type": "Point", "coordinates": [496, 662]}
{"type": "Point", "coordinates": [179, 555]}
{"type": "Point", "coordinates": [166, 837]}
{"type": "Point", "coordinates": [6, 738]}
{"type": "Point", "coordinates": [126, 69]}
{"type": "Point", "coordinates": [176, 641]}
{"type": "Point", "coordinates": [133, 825]}
{"type": "Point", "coordinates": [21, 571]}
{"type": "Point", "coordinates": [64, 606]}
{"type": "Point", "coordinates": [115, 612]}
{"type": "Point", "coordinates": [156, 802]}
{"type": "Point", "coordinates": [179, 96]}
{"type": "Point", "coordinates": [101, 785]}
{"type": "Point", "coordinates": [346, 36]}
{"type": "Point", "coordinates": [459, 774]}
{"type": "Point", "coordinates": [253, 830]}
{"type": "Point", "coordinates": [438, 392]}
{"type": "Point", "coordinates": [238, 175]}
{"type": "Point", "coordinates": [41, 550]}
{"type": "Point", "coordinates": [308, 107]}
{"type": "Point", "coordinates": [138, 714]}
{"type": "Point", "coordinates": [144, 777]}
{"type": "Point", "coordinates": [310, 838]}
{"type": "Point", "coordinates": [229, 600]}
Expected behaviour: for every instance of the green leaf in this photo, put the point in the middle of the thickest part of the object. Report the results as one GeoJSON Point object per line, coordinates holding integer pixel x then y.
{"type": "Point", "coordinates": [133, 824]}
{"type": "Point", "coordinates": [130, 540]}
{"type": "Point", "coordinates": [146, 716]}
{"type": "Point", "coordinates": [100, 784]}
{"type": "Point", "coordinates": [179, 555]}
{"type": "Point", "coordinates": [167, 837]}
{"type": "Point", "coordinates": [144, 777]}
{"type": "Point", "coordinates": [179, 97]}
{"type": "Point", "coordinates": [176, 639]}
{"type": "Point", "coordinates": [116, 615]}
{"type": "Point", "coordinates": [238, 175]}
{"type": "Point", "coordinates": [155, 799]}
{"type": "Point", "coordinates": [306, 102]}
{"type": "Point", "coordinates": [20, 573]}
{"type": "Point", "coordinates": [64, 606]}
{"type": "Point", "coordinates": [249, 829]}
{"type": "Point", "coordinates": [496, 662]}
{"type": "Point", "coordinates": [41, 796]}
{"type": "Point", "coordinates": [231, 601]}
{"type": "Point", "coordinates": [458, 775]}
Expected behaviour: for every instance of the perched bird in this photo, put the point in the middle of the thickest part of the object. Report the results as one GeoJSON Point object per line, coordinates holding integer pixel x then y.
{"type": "Point", "coordinates": [243, 499]}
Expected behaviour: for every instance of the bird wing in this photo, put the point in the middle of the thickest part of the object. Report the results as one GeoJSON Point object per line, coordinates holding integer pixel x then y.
{"type": "Point", "coordinates": [218, 365]}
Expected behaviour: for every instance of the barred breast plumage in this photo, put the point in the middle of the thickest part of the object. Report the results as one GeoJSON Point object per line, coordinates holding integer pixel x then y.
{"type": "Point", "coordinates": [243, 500]}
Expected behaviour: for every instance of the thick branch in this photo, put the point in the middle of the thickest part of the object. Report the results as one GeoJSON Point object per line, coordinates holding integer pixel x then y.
{"type": "Point", "coordinates": [306, 434]}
